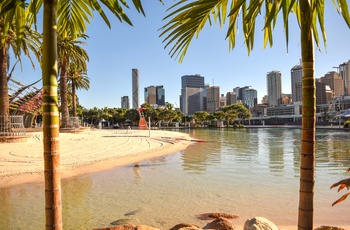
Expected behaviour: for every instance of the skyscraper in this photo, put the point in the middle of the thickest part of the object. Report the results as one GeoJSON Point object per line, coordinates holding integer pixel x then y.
{"type": "Point", "coordinates": [193, 94]}
{"type": "Point", "coordinates": [213, 99]}
{"type": "Point", "coordinates": [125, 102]}
{"type": "Point", "coordinates": [135, 89]}
{"type": "Point", "coordinates": [274, 88]}
{"type": "Point", "coordinates": [334, 81]}
{"type": "Point", "coordinates": [296, 75]}
{"type": "Point", "coordinates": [231, 98]}
{"type": "Point", "coordinates": [344, 71]}
{"type": "Point", "coordinates": [250, 97]}
{"type": "Point", "coordinates": [155, 95]}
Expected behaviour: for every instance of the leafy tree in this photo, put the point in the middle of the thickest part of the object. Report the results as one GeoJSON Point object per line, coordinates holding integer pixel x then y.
{"type": "Point", "coordinates": [120, 115]}
{"type": "Point", "coordinates": [187, 19]}
{"type": "Point", "coordinates": [167, 115]}
{"type": "Point", "coordinates": [201, 116]}
{"type": "Point", "coordinates": [132, 115]}
{"type": "Point", "coordinates": [240, 110]}
{"type": "Point", "coordinates": [179, 115]}
{"type": "Point", "coordinates": [149, 112]}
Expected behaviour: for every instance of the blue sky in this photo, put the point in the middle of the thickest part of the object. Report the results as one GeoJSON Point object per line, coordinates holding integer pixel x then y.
{"type": "Point", "coordinates": [114, 52]}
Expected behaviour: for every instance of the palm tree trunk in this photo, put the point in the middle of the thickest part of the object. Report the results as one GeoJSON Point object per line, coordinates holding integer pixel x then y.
{"type": "Point", "coordinates": [74, 100]}
{"type": "Point", "coordinates": [4, 98]}
{"type": "Point", "coordinates": [53, 206]}
{"type": "Point", "coordinates": [63, 93]}
{"type": "Point", "coordinates": [307, 156]}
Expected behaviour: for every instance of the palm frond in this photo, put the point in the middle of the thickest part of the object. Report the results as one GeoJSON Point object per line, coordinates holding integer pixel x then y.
{"type": "Point", "coordinates": [182, 28]}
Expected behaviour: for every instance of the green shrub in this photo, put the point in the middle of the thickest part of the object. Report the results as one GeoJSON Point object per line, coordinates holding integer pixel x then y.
{"type": "Point", "coordinates": [347, 124]}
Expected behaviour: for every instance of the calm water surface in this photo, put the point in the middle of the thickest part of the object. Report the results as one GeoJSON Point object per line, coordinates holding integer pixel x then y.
{"type": "Point", "coordinates": [251, 172]}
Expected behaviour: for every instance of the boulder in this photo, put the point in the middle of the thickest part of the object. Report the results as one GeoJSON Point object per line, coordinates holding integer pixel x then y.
{"type": "Point", "coordinates": [144, 227]}
{"type": "Point", "coordinates": [329, 228]}
{"type": "Point", "coordinates": [259, 223]}
{"type": "Point", "coordinates": [127, 227]}
{"type": "Point", "coordinates": [215, 215]}
{"type": "Point", "coordinates": [183, 226]}
{"type": "Point", "coordinates": [118, 227]}
{"type": "Point", "coordinates": [220, 223]}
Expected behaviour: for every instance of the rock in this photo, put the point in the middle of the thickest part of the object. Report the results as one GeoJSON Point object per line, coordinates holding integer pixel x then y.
{"type": "Point", "coordinates": [121, 221]}
{"type": "Point", "coordinates": [215, 215]}
{"type": "Point", "coordinates": [189, 228]}
{"type": "Point", "coordinates": [127, 227]}
{"type": "Point", "coordinates": [220, 223]}
{"type": "Point", "coordinates": [183, 226]}
{"type": "Point", "coordinates": [133, 212]}
{"type": "Point", "coordinates": [144, 227]}
{"type": "Point", "coordinates": [259, 223]}
{"type": "Point", "coordinates": [329, 228]}
{"type": "Point", "coordinates": [118, 227]}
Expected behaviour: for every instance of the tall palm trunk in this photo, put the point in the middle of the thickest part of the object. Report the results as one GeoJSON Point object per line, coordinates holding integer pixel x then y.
{"type": "Point", "coordinates": [74, 99]}
{"type": "Point", "coordinates": [53, 206]}
{"type": "Point", "coordinates": [63, 93]}
{"type": "Point", "coordinates": [4, 96]}
{"type": "Point", "coordinates": [307, 156]}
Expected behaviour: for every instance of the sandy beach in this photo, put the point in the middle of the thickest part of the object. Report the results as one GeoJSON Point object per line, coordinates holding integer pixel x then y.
{"type": "Point", "coordinates": [86, 152]}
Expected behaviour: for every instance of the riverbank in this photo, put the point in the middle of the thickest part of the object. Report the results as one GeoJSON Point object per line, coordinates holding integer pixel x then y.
{"type": "Point", "coordinates": [86, 152]}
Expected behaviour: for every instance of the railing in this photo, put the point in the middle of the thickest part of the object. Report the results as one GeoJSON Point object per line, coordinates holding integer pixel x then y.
{"type": "Point", "coordinates": [12, 125]}
{"type": "Point", "coordinates": [71, 123]}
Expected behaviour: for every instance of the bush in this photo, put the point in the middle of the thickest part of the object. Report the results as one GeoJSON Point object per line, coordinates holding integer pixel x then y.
{"type": "Point", "coordinates": [347, 124]}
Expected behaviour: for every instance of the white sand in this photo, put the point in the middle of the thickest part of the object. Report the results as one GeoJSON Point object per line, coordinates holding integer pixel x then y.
{"type": "Point", "coordinates": [86, 152]}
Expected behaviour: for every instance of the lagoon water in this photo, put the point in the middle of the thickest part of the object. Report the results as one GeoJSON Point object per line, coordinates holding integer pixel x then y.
{"type": "Point", "coordinates": [248, 172]}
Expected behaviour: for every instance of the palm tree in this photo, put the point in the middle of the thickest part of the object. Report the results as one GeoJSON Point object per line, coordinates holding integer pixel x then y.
{"type": "Point", "coordinates": [30, 42]}
{"type": "Point", "coordinates": [72, 19]}
{"type": "Point", "coordinates": [69, 51]}
{"type": "Point", "coordinates": [79, 80]}
{"type": "Point", "coordinates": [187, 19]}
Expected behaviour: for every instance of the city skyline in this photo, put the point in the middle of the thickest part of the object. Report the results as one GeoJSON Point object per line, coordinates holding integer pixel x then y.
{"type": "Point", "coordinates": [113, 53]}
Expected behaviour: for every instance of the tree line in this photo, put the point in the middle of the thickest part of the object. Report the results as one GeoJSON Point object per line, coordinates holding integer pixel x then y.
{"type": "Point", "coordinates": [228, 114]}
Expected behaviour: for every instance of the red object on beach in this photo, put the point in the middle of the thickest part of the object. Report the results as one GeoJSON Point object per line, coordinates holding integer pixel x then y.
{"type": "Point", "coordinates": [142, 122]}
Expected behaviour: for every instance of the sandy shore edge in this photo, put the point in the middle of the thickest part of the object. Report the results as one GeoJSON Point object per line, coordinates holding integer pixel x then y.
{"type": "Point", "coordinates": [86, 152]}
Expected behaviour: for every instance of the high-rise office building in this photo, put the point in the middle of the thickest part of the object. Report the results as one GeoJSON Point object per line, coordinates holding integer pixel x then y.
{"type": "Point", "coordinates": [155, 95]}
{"type": "Point", "coordinates": [334, 81]}
{"type": "Point", "coordinates": [344, 71]}
{"type": "Point", "coordinates": [135, 89]}
{"type": "Point", "coordinates": [298, 92]}
{"type": "Point", "coordinates": [125, 102]}
{"type": "Point", "coordinates": [193, 94]}
{"type": "Point", "coordinates": [321, 95]}
{"type": "Point", "coordinates": [296, 76]}
{"type": "Point", "coordinates": [249, 97]}
{"type": "Point", "coordinates": [236, 91]}
{"type": "Point", "coordinates": [274, 88]}
{"type": "Point", "coordinates": [231, 98]}
{"type": "Point", "coordinates": [213, 99]}
{"type": "Point", "coordinates": [222, 102]}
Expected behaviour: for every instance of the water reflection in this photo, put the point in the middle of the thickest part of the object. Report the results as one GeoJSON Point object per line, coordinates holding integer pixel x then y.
{"type": "Point", "coordinates": [75, 195]}
{"type": "Point", "coordinates": [251, 172]}
{"type": "Point", "coordinates": [198, 157]}
{"type": "Point", "coordinates": [22, 207]}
